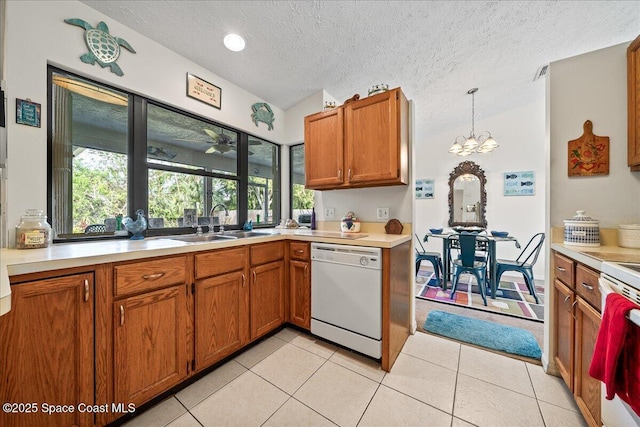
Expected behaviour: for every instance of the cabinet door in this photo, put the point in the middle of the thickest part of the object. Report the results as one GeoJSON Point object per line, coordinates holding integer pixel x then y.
{"type": "Point", "coordinates": [586, 389]}
{"type": "Point", "coordinates": [323, 149]}
{"type": "Point", "coordinates": [300, 293]}
{"type": "Point", "coordinates": [47, 350]}
{"type": "Point", "coordinates": [372, 139]}
{"type": "Point", "coordinates": [222, 317]}
{"type": "Point", "coordinates": [564, 331]}
{"type": "Point", "coordinates": [150, 344]}
{"type": "Point", "coordinates": [267, 298]}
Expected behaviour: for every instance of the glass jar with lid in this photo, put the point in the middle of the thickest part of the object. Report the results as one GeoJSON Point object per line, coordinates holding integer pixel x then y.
{"type": "Point", "coordinates": [33, 231]}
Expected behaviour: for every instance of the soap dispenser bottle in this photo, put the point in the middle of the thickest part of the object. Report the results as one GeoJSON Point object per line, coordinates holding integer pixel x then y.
{"type": "Point", "coordinates": [313, 218]}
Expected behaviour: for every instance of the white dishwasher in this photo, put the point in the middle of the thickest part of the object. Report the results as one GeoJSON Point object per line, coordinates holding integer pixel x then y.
{"type": "Point", "coordinates": [346, 296]}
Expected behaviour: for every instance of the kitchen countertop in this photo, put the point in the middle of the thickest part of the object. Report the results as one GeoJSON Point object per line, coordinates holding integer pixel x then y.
{"type": "Point", "coordinates": [594, 256]}
{"type": "Point", "coordinates": [66, 255]}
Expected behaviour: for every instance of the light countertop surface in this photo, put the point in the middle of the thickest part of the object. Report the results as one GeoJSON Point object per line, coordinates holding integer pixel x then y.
{"type": "Point", "coordinates": [593, 256]}
{"type": "Point", "coordinates": [66, 255]}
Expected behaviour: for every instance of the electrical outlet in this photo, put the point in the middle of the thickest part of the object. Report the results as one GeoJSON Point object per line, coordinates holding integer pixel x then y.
{"type": "Point", "coordinates": [382, 213]}
{"type": "Point", "coordinates": [329, 213]}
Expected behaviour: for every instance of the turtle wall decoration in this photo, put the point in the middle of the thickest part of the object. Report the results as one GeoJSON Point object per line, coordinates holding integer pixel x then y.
{"type": "Point", "coordinates": [262, 113]}
{"type": "Point", "coordinates": [103, 47]}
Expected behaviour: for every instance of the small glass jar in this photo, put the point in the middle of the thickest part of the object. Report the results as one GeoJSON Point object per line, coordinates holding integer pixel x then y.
{"type": "Point", "coordinates": [33, 231]}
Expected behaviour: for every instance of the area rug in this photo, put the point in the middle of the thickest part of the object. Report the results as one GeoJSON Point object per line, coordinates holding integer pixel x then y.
{"type": "Point", "coordinates": [484, 334]}
{"type": "Point", "coordinates": [512, 295]}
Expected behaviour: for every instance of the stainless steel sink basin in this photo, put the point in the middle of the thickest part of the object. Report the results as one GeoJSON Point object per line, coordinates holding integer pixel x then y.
{"type": "Point", "coordinates": [212, 237]}
{"type": "Point", "coordinates": [240, 234]}
{"type": "Point", "coordinates": [203, 237]}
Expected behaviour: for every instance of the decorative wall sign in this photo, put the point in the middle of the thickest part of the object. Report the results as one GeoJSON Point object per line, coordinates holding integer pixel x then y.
{"type": "Point", "coordinates": [103, 47]}
{"type": "Point", "coordinates": [589, 154]}
{"type": "Point", "coordinates": [424, 188]}
{"type": "Point", "coordinates": [262, 113]}
{"type": "Point", "coordinates": [519, 183]}
{"type": "Point", "coordinates": [27, 113]}
{"type": "Point", "coordinates": [204, 91]}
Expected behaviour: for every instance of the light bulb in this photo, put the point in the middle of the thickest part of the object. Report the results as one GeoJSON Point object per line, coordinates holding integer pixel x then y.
{"type": "Point", "coordinates": [234, 42]}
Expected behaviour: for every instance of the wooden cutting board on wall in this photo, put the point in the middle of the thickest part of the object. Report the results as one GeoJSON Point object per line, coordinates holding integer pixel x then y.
{"type": "Point", "coordinates": [589, 154]}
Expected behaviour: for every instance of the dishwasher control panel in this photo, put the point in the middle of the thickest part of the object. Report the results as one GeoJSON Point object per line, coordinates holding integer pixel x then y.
{"type": "Point", "coordinates": [359, 256]}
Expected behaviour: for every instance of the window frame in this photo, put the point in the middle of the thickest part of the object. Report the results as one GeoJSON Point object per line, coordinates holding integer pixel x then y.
{"type": "Point", "coordinates": [138, 167]}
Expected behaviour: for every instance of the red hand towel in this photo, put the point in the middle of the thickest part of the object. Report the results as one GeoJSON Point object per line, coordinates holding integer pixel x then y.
{"type": "Point", "coordinates": [629, 369]}
{"type": "Point", "coordinates": [608, 364]}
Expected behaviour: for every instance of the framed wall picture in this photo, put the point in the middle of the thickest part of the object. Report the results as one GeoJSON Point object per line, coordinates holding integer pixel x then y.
{"type": "Point", "coordinates": [27, 112]}
{"type": "Point", "coordinates": [425, 188]}
{"type": "Point", "coordinates": [204, 91]}
{"type": "Point", "coordinates": [519, 183]}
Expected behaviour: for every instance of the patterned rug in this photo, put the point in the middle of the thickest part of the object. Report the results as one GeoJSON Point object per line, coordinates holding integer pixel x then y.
{"type": "Point", "coordinates": [512, 299]}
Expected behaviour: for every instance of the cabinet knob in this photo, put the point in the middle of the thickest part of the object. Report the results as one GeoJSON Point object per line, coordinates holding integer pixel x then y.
{"type": "Point", "coordinates": [561, 269]}
{"type": "Point", "coordinates": [121, 315]}
{"type": "Point", "coordinates": [255, 277]}
{"type": "Point", "coordinates": [339, 173]}
{"type": "Point", "coordinates": [349, 174]}
{"type": "Point", "coordinates": [573, 313]}
{"type": "Point", "coordinates": [306, 271]}
{"type": "Point", "coordinates": [299, 251]}
{"type": "Point", "coordinates": [244, 280]}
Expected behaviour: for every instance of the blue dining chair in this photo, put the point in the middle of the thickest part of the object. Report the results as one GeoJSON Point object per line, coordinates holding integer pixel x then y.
{"type": "Point", "coordinates": [433, 257]}
{"type": "Point", "coordinates": [524, 263]}
{"type": "Point", "coordinates": [468, 263]}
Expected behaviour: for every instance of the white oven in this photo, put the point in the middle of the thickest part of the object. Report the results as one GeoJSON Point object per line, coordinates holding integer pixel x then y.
{"type": "Point", "coordinates": [623, 279]}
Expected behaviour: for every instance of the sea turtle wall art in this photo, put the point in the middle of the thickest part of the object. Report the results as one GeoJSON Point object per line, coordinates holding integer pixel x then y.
{"type": "Point", "coordinates": [262, 113]}
{"type": "Point", "coordinates": [103, 47]}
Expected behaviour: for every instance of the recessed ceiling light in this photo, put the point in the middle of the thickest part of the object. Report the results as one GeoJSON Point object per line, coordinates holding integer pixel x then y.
{"type": "Point", "coordinates": [234, 42]}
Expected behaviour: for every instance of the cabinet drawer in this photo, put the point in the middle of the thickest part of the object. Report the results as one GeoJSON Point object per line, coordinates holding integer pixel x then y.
{"type": "Point", "coordinates": [587, 285]}
{"type": "Point", "coordinates": [147, 275]}
{"type": "Point", "coordinates": [221, 261]}
{"type": "Point", "coordinates": [266, 252]}
{"type": "Point", "coordinates": [563, 269]}
{"type": "Point", "coordinates": [299, 251]}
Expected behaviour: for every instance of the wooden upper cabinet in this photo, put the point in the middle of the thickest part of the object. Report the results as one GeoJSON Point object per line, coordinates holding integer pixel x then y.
{"type": "Point", "coordinates": [324, 151]}
{"type": "Point", "coordinates": [361, 144]}
{"type": "Point", "coordinates": [633, 97]}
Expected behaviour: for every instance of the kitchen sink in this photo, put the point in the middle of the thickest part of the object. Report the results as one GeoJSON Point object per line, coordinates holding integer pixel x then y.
{"type": "Point", "coordinates": [212, 237]}
{"type": "Point", "coordinates": [240, 234]}
{"type": "Point", "coordinates": [203, 237]}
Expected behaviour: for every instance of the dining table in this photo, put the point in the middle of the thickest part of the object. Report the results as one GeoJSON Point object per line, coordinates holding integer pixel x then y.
{"type": "Point", "coordinates": [491, 255]}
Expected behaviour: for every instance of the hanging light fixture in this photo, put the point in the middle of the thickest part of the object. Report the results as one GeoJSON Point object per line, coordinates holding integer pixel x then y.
{"type": "Point", "coordinates": [484, 143]}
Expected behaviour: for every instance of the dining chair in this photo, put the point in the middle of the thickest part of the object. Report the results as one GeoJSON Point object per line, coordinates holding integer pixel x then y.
{"type": "Point", "coordinates": [467, 263]}
{"type": "Point", "coordinates": [433, 257]}
{"type": "Point", "coordinates": [524, 263]}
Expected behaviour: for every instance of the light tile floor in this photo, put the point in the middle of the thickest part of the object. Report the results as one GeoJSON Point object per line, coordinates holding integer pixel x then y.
{"type": "Point", "coordinates": [293, 379]}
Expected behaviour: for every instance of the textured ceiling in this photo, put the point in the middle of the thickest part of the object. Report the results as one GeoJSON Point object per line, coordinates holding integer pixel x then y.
{"type": "Point", "coordinates": [434, 50]}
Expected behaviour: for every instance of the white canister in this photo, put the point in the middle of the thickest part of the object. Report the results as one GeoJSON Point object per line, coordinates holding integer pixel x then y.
{"type": "Point", "coordinates": [629, 236]}
{"type": "Point", "coordinates": [581, 230]}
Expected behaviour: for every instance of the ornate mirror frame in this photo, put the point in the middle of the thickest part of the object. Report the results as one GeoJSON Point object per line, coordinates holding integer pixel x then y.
{"type": "Point", "coordinates": [464, 168]}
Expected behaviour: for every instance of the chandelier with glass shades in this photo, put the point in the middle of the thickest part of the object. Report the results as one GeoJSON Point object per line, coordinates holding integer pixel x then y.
{"type": "Point", "coordinates": [463, 146]}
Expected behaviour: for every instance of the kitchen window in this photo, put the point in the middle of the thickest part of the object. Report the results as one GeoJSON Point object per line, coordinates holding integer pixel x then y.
{"type": "Point", "coordinates": [112, 152]}
{"type": "Point", "coordinates": [301, 198]}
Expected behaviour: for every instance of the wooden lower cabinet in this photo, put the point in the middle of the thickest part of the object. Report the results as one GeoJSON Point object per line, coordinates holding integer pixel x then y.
{"type": "Point", "coordinates": [47, 352]}
{"type": "Point", "coordinates": [267, 298]}
{"type": "Point", "coordinates": [586, 389]}
{"type": "Point", "coordinates": [150, 344]}
{"type": "Point", "coordinates": [576, 325]}
{"type": "Point", "coordinates": [300, 293]}
{"type": "Point", "coordinates": [221, 316]}
{"type": "Point", "coordinates": [564, 331]}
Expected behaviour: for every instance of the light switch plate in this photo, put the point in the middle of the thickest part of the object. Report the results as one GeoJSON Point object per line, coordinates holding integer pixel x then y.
{"type": "Point", "coordinates": [382, 213]}
{"type": "Point", "coordinates": [329, 213]}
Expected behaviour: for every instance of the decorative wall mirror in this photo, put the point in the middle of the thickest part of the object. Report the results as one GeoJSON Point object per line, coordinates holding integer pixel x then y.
{"type": "Point", "coordinates": [467, 196]}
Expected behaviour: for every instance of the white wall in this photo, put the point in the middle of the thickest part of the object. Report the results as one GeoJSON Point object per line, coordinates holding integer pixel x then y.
{"type": "Point", "coordinates": [592, 87]}
{"type": "Point", "coordinates": [521, 136]}
{"type": "Point", "coordinates": [153, 71]}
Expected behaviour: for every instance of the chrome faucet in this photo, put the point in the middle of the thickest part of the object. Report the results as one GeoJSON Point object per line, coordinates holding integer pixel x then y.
{"type": "Point", "coordinates": [211, 212]}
